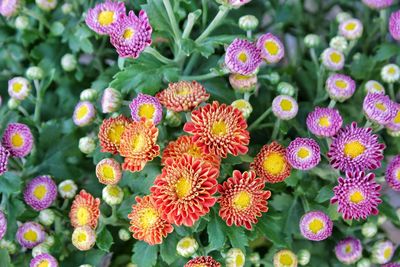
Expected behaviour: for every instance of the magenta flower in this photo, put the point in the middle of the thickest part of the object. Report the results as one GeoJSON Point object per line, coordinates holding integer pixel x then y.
{"type": "Point", "coordinates": [30, 234]}
{"type": "Point", "coordinates": [340, 87]}
{"type": "Point", "coordinates": [351, 29]}
{"type": "Point", "coordinates": [316, 226]}
{"type": "Point", "coordinates": [271, 47]}
{"type": "Point", "coordinates": [378, 4]}
{"type": "Point", "coordinates": [4, 155]}
{"type": "Point", "coordinates": [146, 106]}
{"type": "Point", "coordinates": [324, 122]}
{"type": "Point", "coordinates": [394, 25]}
{"type": "Point", "coordinates": [348, 250]}
{"type": "Point", "coordinates": [43, 259]}
{"type": "Point", "coordinates": [40, 192]}
{"type": "Point", "coordinates": [285, 107]}
{"type": "Point", "coordinates": [394, 124]}
{"type": "Point", "coordinates": [379, 108]}
{"type": "Point", "coordinates": [3, 225]}
{"type": "Point", "coordinates": [357, 195]}
{"type": "Point", "coordinates": [104, 17]}
{"type": "Point", "coordinates": [332, 59]}
{"type": "Point", "coordinates": [242, 57]}
{"type": "Point", "coordinates": [17, 139]}
{"type": "Point", "coordinates": [9, 8]}
{"type": "Point", "coordinates": [392, 175]}
{"type": "Point", "coordinates": [303, 153]}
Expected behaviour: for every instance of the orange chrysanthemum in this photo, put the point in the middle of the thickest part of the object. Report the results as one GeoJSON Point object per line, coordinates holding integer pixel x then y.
{"type": "Point", "coordinates": [146, 222]}
{"type": "Point", "coordinates": [184, 145]}
{"type": "Point", "coordinates": [183, 96]}
{"type": "Point", "coordinates": [242, 199]}
{"type": "Point", "coordinates": [138, 145]}
{"type": "Point", "coordinates": [110, 133]}
{"type": "Point", "coordinates": [271, 163]}
{"type": "Point", "coordinates": [84, 210]}
{"type": "Point", "coordinates": [203, 261]}
{"type": "Point", "coordinates": [219, 129]}
{"type": "Point", "coordinates": [184, 190]}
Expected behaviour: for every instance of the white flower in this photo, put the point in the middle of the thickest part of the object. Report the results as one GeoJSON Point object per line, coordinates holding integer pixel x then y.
{"type": "Point", "coordinates": [369, 230]}
{"type": "Point", "coordinates": [68, 62]}
{"type": "Point", "coordinates": [364, 263]}
{"type": "Point", "coordinates": [46, 217]}
{"type": "Point", "coordinates": [235, 258]}
{"type": "Point", "coordinates": [34, 73]}
{"type": "Point", "coordinates": [124, 234]}
{"type": "Point", "coordinates": [187, 246]}
{"type": "Point", "coordinates": [312, 40]}
{"type": "Point", "coordinates": [19, 88]}
{"type": "Point", "coordinates": [244, 106]}
{"type": "Point", "coordinates": [40, 249]}
{"type": "Point", "coordinates": [87, 145]}
{"type": "Point", "coordinates": [390, 73]}
{"type": "Point", "coordinates": [111, 100]}
{"type": "Point", "coordinates": [112, 195]}
{"type": "Point", "coordinates": [339, 43]}
{"type": "Point", "coordinates": [303, 257]}
{"type": "Point", "coordinates": [21, 22]}
{"type": "Point", "coordinates": [46, 5]}
{"type": "Point", "coordinates": [67, 189]}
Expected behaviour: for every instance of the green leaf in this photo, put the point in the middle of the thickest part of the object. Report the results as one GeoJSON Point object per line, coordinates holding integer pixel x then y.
{"type": "Point", "coordinates": [333, 213]}
{"type": "Point", "coordinates": [325, 194]}
{"type": "Point", "coordinates": [158, 16]}
{"type": "Point", "coordinates": [144, 255]}
{"type": "Point", "coordinates": [126, 206]}
{"type": "Point", "coordinates": [270, 228]}
{"type": "Point", "coordinates": [237, 237]}
{"type": "Point", "coordinates": [10, 183]}
{"type": "Point", "coordinates": [168, 248]}
{"type": "Point", "coordinates": [5, 258]}
{"type": "Point", "coordinates": [281, 202]}
{"type": "Point", "coordinates": [215, 231]}
{"type": "Point", "coordinates": [386, 51]}
{"type": "Point", "coordinates": [388, 210]}
{"type": "Point", "coordinates": [362, 68]}
{"type": "Point", "coordinates": [104, 240]}
{"type": "Point", "coordinates": [140, 182]}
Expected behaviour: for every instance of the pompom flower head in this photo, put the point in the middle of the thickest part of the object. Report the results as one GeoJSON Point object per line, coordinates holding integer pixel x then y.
{"type": "Point", "coordinates": [132, 35]}
{"type": "Point", "coordinates": [243, 83]}
{"type": "Point", "coordinates": [43, 260]}
{"type": "Point", "coordinates": [105, 17]}
{"type": "Point", "coordinates": [40, 192]}
{"type": "Point", "coordinates": [242, 57]}
{"type": "Point", "coordinates": [271, 163]}
{"type": "Point", "coordinates": [19, 88]}
{"type": "Point", "coordinates": [17, 139]}
{"type": "Point", "coordinates": [30, 234]}
{"type": "Point", "coordinates": [394, 123]}
{"type": "Point", "coordinates": [3, 225]}
{"type": "Point", "coordinates": [340, 87]}
{"type": "Point", "coordinates": [349, 250]}
{"type": "Point", "coordinates": [285, 107]}
{"type": "Point", "coordinates": [379, 108]}
{"type": "Point", "coordinates": [394, 25]}
{"type": "Point", "coordinates": [67, 189]}
{"type": "Point", "coordinates": [374, 87]}
{"type": "Point", "coordinates": [378, 4]}
{"type": "Point", "coordinates": [272, 49]}
{"type": "Point", "coordinates": [111, 100]}
{"type": "Point", "coordinates": [110, 133]}
{"type": "Point", "coordinates": [84, 210]}
{"type": "Point", "coordinates": [332, 59]}
{"type": "Point", "coordinates": [355, 149]}
{"type": "Point", "coordinates": [316, 226]}
{"type": "Point", "coordinates": [146, 106]}
{"type": "Point", "coordinates": [184, 190]}
{"type": "Point", "coordinates": [202, 261]}
{"type": "Point", "coordinates": [9, 8]}
{"type": "Point", "coordinates": [243, 199]}
{"type": "Point", "coordinates": [392, 175]}
{"type": "Point", "coordinates": [146, 222]}
{"type": "Point", "coordinates": [4, 155]}
{"type": "Point", "coordinates": [83, 238]}
{"type": "Point", "coordinates": [351, 29]}
{"type": "Point", "coordinates": [303, 153]}
{"type": "Point", "coordinates": [219, 129]}
{"type": "Point", "coordinates": [357, 195]}
{"type": "Point", "coordinates": [285, 258]}
{"type": "Point", "coordinates": [84, 113]}
{"type": "Point", "coordinates": [108, 171]}
{"type": "Point", "coordinates": [324, 122]}
{"type": "Point", "coordinates": [183, 96]}
{"type": "Point", "coordinates": [382, 252]}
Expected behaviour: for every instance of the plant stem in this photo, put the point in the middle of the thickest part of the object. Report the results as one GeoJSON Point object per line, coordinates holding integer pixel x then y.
{"type": "Point", "coordinates": [383, 15]}
{"type": "Point", "coordinates": [249, 34]}
{"type": "Point", "coordinates": [157, 55]}
{"type": "Point", "coordinates": [223, 11]}
{"type": "Point", "coordinates": [39, 100]}
{"type": "Point", "coordinates": [260, 119]}
{"type": "Point", "coordinates": [192, 62]}
{"type": "Point", "coordinates": [189, 25]}
{"type": "Point", "coordinates": [204, 7]}
{"type": "Point", "coordinates": [332, 103]}
{"type": "Point", "coordinates": [391, 92]}
{"type": "Point", "coordinates": [172, 19]}
{"type": "Point", "coordinates": [23, 111]}
{"type": "Point", "coordinates": [367, 124]}
{"type": "Point", "coordinates": [201, 77]}
{"type": "Point", "coordinates": [276, 129]}
{"type": "Point", "coordinates": [188, 116]}
{"type": "Point", "coordinates": [305, 203]}
{"type": "Point", "coordinates": [314, 58]}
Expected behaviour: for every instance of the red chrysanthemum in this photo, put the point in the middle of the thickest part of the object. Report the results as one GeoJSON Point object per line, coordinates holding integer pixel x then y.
{"type": "Point", "coordinates": [242, 199]}
{"type": "Point", "coordinates": [219, 129]}
{"type": "Point", "coordinates": [203, 261]}
{"type": "Point", "coordinates": [184, 190]}
{"type": "Point", "coordinates": [84, 210]}
{"type": "Point", "coordinates": [146, 222]}
{"type": "Point", "coordinates": [184, 145]}
{"type": "Point", "coordinates": [271, 163]}
{"type": "Point", "coordinates": [138, 145]}
{"type": "Point", "coordinates": [110, 133]}
{"type": "Point", "coordinates": [183, 96]}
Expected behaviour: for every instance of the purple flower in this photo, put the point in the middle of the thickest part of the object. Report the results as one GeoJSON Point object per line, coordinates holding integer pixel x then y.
{"type": "Point", "coordinates": [357, 195]}
{"type": "Point", "coordinates": [272, 49]}
{"type": "Point", "coordinates": [349, 250]}
{"type": "Point", "coordinates": [316, 226]}
{"type": "Point", "coordinates": [84, 113]}
{"type": "Point", "coordinates": [3, 225]}
{"type": "Point", "coordinates": [351, 29]}
{"type": "Point", "coordinates": [394, 25]}
{"type": "Point", "coordinates": [340, 87]}
{"type": "Point", "coordinates": [146, 106]}
{"type": "Point", "coordinates": [40, 192]}
{"type": "Point", "coordinates": [324, 122]}
{"type": "Point", "coordinates": [382, 252]}
{"type": "Point", "coordinates": [19, 88]}
{"type": "Point", "coordinates": [132, 35]}
{"type": "Point", "coordinates": [394, 124]}
{"type": "Point", "coordinates": [30, 234]}
{"type": "Point", "coordinates": [379, 108]}
{"type": "Point", "coordinates": [332, 59]}
{"type": "Point", "coordinates": [285, 107]}
{"type": "Point", "coordinates": [9, 8]}
{"type": "Point", "coordinates": [242, 57]}
{"type": "Point", "coordinates": [4, 155]}
{"type": "Point", "coordinates": [391, 264]}
{"type": "Point", "coordinates": [378, 4]}
{"type": "Point", "coordinates": [355, 149]}
{"type": "Point", "coordinates": [303, 153]}
{"type": "Point", "coordinates": [104, 17]}
{"type": "Point", "coordinates": [43, 259]}
{"type": "Point", "coordinates": [17, 139]}
{"type": "Point", "coordinates": [393, 173]}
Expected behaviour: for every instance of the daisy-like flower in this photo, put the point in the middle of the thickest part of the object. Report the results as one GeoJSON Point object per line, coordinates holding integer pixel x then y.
{"type": "Point", "coordinates": [146, 222]}
{"type": "Point", "coordinates": [393, 173]}
{"type": "Point", "coordinates": [30, 234]}
{"type": "Point", "coordinates": [285, 107]}
{"type": "Point", "coordinates": [374, 87]}
{"type": "Point", "coordinates": [4, 155]}
{"type": "Point", "coordinates": [340, 87]}
{"type": "Point", "coordinates": [219, 129]}
{"type": "Point", "coordinates": [84, 113]}
{"type": "Point", "coordinates": [19, 88]}
{"type": "Point", "coordinates": [111, 100]}
{"type": "Point", "coordinates": [357, 195]}
{"type": "Point", "coordinates": [83, 238]}
{"type": "Point", "coordinates": [40, 192]}
{"type": "Point", "coordinates": [243, 83]}
{"type": "Point", "coordinates": [46, 5]}
{"type": "Point", "coordinates": [271, 163]}
{"type": "Point", "coordinates": [324, 122]}
{"type": "Point", "coordinates": [303, 153]}
{"type": "Point", "coordinates": [285, 258]}
{"type": "Point", "coordinates": [132, 35]}
{"type": "Point", "coordinates": [235, 258]}
{"type": "Point", "coordinates": [355, 149]}
{"type": "Point", "coordinates": [271, 47]}
{"type": "Point", "coordinates": [67, 189]}
{"type": "Point", "coordinates": [104, 17]}
{"type": "Point", "coordinates": [332, 59]}
{"type": "Point", "coordinates": [382, 252]}
{"type": "Point", "coordinates": [242, 57]}
{"type": "Point", "coordinates": [84, 210]}
{"type": "Point", "coordinates": [351, 29]}
{"type": "Point", "coordinates": [379, 108]}
{"type": "Point", "coordinates": [390, 73]}
{"type": "Point", "coordinates": [17, 139]}
{"type": "Point", "coordinates": [112, 195]}
{"type": "Point", "coordinates": [184, 145]}
{"type": "Point", "coordinates": [3, 225]}
{"type": "Point", "coordinates": [243, 199]}
{"type": "Point", "coordinates": [349, 250]}
{"type": "Point", "coordinates": [108, 171]}
{"type": "Point", "coordinates": [392, 264]}
{"type": "Point", "coordinates": [9, 8]}
{"type": "Point", "coordinates": [110, 133]}
{"type": "Point", "coordinates": [187, 246]}
{"type": "Point", "coordinates": [203, 261]}
{"type": "Point", "coordinates": [394, 123]}
{"type": "Point", "coordinates": [244, 106]}
{"type": "Point", "coordinates": [146, 106]}
{"type": "Point", "coordinates": [316, 226]}
{"type": "Point", "coordinates": [43, 260]}
{"type": "Point", "coordinates": [138, 145]}
{"type": "Point", "coordinates": [184, 190]}
{"type": "Point", "coordinates": [394, 25]}
{"type": "Point", "coordinates": [378, 4]}
{"type": "Point", "coordinates": [183, 96]}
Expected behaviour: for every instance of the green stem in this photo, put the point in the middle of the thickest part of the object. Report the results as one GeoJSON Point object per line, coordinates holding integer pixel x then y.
{"type": "Point", "coordinates": [259, 120]}
{"type": "Point", "coordinates": [276, 129]}
{"type": "Point", "coordinates": [305, 203]}
{"type": "Point", "coordinates": [314, 57]}
{"type": "Point", "coordinates": [249, 34]}
{"type": "Point", "coordinates": [157, 55]}
{"type": "Point", "coordinates": [201, 77]}
{"type": "Point", "coordinates": [192, 62]}
{"type": "Point", "coordinates": [391, 91]}
{"type": "Point", "coordinates": [367, 124]}
{"type": "Point", "coordinates": [189, 25]}
{"type": "Point", "coordinates": [172, 19]}
{"type": "Point", "coordinates": [383, 20]}
{"type": "Point", "coordinates": [23, 111]}
{"type": "Point", "coordinates": [204, 7]}
{"type": "Point", "coordinates": [39, 100]}
{"type": "Point", "coordinates": [332, 103]}
{"type": "Point", "coordinates": [223, 11]}
{"type": "Point", "coordinates": [320, 83]}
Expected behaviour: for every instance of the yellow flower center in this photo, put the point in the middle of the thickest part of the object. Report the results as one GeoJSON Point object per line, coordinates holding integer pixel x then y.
{"type": "Point", "coordinates": [40, 192]}
{"type": "Point", "coordinates": [186, 243]}
{"type": "Point", "coordinates": [82, 112]}
{"type": "Point", "coordinates": [219, 128]}
{"type": "Point", "coordinates": [335, 57]}
{"type": "Point", "coordinates": [241, 104]}
{"type": "Point", "coordinates": [67, 188]}
{"type": "Point", "coordinates": [146, 111]}
{"type": "Point", "coordinates": [398, 175]}
{"type": "Point", "coordinates": [387, 253]}
{"type": "Point", "coordinates": [356, 197]}
{"type": "Point", "coordinates": [377, 86]}
{"type": "Point", "coordinates": [242, 200]}
{"type": "Point", "coordinates": [392, 70]}
{"type": "Point", "coordinates": [30, 235]}
{"type": "Point", "coordinates": [316, 225]}
{"type": "Point", "coordinates": [148, 217]}
{"type": "Point", "coordinates": [113, 191]}
{"type": "Point", "coordinates": [241, 77]}
{"type": "Point", "coordinates": [239, 260]}
{"type": "Point", "coordinates": [200, 265]}
{"type": "Point", "coordinates": [183, 91]}
{"type": "Point", "coordinates": [17, 87]}
{"type": "Point", "coordinates": [107, 172]}
{"type": "Point", "coordinates": [274, 163]}
{"type": "Point", "coordinates": [115, 133]}
{"type": "Point", "coordinates": [195, 151]}
{"type": "Point", "coordinates": [303, 153]}
{"type": "Point", "coordinates": [82, 237]}
{"type": "Point", "coordinates": [43, 263]}
{"type": "Point", "coordinates": [128, 34]}
{"type": "Point", "coordinates": [83, 216]}
{"type": "Point", "coordinates": [105, 18]}
{"type": "Point", "coordinates": [286, 259]}
{"type": "Point", "coordinates": [353, 149]}
{"type": "Point", "coordinates": [183, 187]}
{"type": "Point", "coordinates": [138, 142]}
{"type": "Point", "coordinates": [324, 121]}
{"type": "Point", "coordinates": [380, 106]}
{"type": "Point", "coordinates": [350, 26]}
{"type": "Point", "coordinates": [341, 84]}
{"type": "Point", "coordinates": [271, 47]}
{"type": "Point", "coordinates": [348, 248]}
{"type": "Point", "coordinates": [397, 117]}
{"type": "Point", "coordinates": [286, 105]}
{"type": "Point", "coordinates": [17, 140]}
{"type": "Point", "coordinates": [242, 56]}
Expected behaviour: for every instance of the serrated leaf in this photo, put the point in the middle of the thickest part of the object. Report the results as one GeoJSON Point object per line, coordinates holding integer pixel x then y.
{"type": "Point", "coordinates": [325, 194]}
{"type": "Point", "coordinates": [271, 229]}
{"type": "Point", "coordinates": [281, 202]}
{"type": "Point", "coordinates": [158, 16]}
{"type": "Point", "coordinates": [10, 183]}
{"type": "Point", "coordinates": [168, 248]}
{"type": "Point", "coordinates": [215, 231]}
{"type": "Point", "coordinates": [104, 240]}
{"type": "Point", "coordinates": [5, 258]}
{"type": "Point", "coordinates": [386, 51]}
{"type": "Point", "coordinates": [237, 237]}
{"type": "Point", "coordinates": [144, 255]}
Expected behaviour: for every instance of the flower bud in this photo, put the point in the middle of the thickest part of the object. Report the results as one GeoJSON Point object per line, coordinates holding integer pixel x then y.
{"type": "Point", "coordinates": [13, 103]}
{"type": "Point", "coordinates": [235, 258]}
{"type": "Point", "coordinates": [273, 77]}
{"type": "Point", "coordinates": [9, 245]}
{"type": "Point", "coordinates": [46, 217]}
{"type": "Point", "coordinates": [364, 263]}
{"type": "Point", "coordinates": [255, 258]}
{"type": "Point", "coordinates": [46, 5]}
{"type": "Point", "coordinates": [83, 238]}
{"type": "Point", "coordinates": [67, 189]}
{"type": "Point", "coordinates": [111, 100]}
{"type": "Point", "coordinates": [233, 3]}
{"type": "Point", "coordinates": [49, 241]}
{"type": "Point", "coordinates": [303, 257]}
{"type": "Point", "coordinates": [124, 234]}
{"type": "Point", "coordinates": [173, 119]}
{"type": "Point", "coordinates": [369, 230]}
{"type": "Point", "coordinates": [21, 22]}
{"type": "Point", "coordinates": [382, 219]}
{"type": "Point", "coordinates": [66, 8]}
{"type": "Point", "coordinates": [112, 195]}
{"type": "Point", "coordinates": [342, 16]}
{"type": "Point", "coordinates": [57, 28]}
{"type": "Point", "coordinates": [339, 43]}
{"type": "Point", "coordinates": [88, 95]}
{"type": "Point", "coordinates": [34, 73]}
{"type": "Point", "coordinates": [85, 265]}
{"type": "Point", "coordinates": [68, 62]}
{"type": "Point", "coordinates": [312, 40]}
{"type": "Point", "coordinates": [285, 88]}
{"type": "Point", "coordinates": [242, 83]}
{"type": "Point", "coordinates": [187, 246]}
{"type": "Point", "coordinates": [87, 145]}
{"type": "Point", "coordinates": [248, 23]}
{"type": "Point", "coordinates": [244, 106]}
{"type": "Point", "coordinates": [40, 249]}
